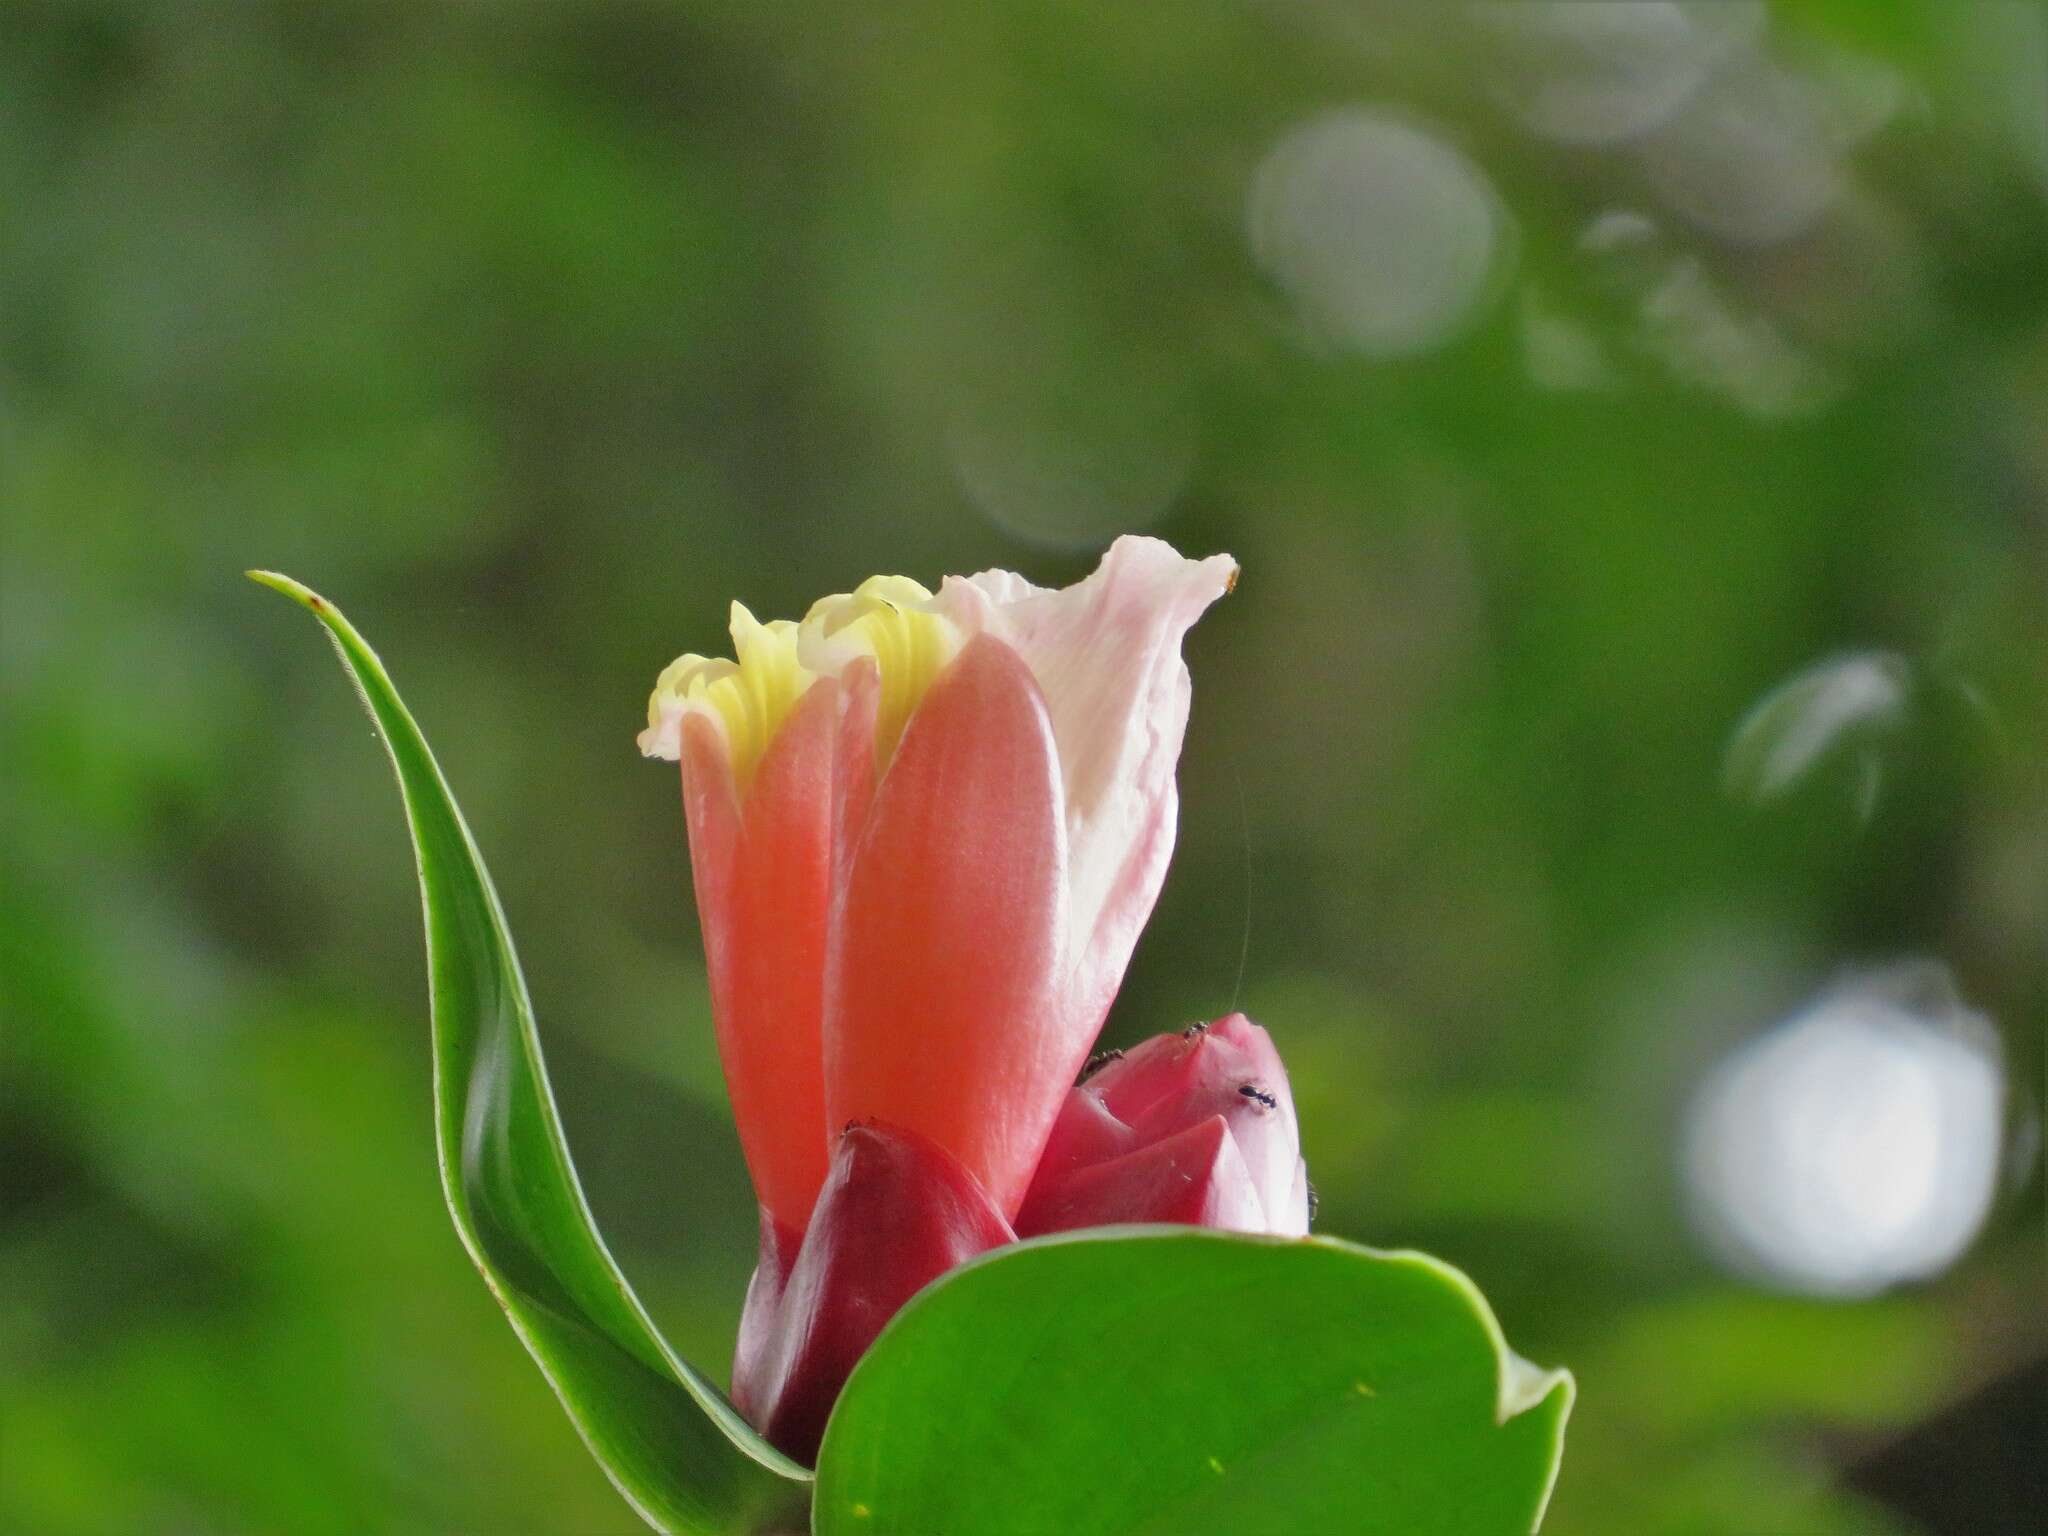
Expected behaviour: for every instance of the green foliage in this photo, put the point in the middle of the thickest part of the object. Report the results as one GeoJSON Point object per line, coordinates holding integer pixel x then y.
{"type": "Point", "coordinates": [1386, 1399]}
{"type": "Point", "coordinates": [1162, 1382]}
{"type": "Point", "coordinates": [543, 331]}
{"type": "Point", "coordinates": [666, 1437]}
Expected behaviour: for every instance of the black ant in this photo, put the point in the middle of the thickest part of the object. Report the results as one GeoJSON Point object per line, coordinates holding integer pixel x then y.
{"type": "Point", "coordinates": [1097, 1062]}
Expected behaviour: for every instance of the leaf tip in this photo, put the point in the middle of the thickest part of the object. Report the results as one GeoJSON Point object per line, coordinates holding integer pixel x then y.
{"type": "Point", "coordinates": [297, 591]}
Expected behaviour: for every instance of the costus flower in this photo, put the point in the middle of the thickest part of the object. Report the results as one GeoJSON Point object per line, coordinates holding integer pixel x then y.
{"type": "Point", "coordinates": [926, 830]}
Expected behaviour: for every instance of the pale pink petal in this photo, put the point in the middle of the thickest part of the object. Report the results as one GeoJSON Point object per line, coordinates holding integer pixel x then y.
{"type": "Point", "coordinates": [1106, 653]}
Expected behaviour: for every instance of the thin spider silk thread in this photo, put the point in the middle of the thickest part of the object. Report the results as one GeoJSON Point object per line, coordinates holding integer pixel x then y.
{"type": "Point", "coordinates": [1244, 947]}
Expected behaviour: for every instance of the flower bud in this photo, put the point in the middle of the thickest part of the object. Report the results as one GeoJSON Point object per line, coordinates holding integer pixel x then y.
{"type": "Point", "coordinates": [1196, 1127]}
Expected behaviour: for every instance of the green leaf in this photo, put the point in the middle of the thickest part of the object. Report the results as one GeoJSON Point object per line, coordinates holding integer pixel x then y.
{"type": "Point", "coordinates": [1170, 1381]}
{"type": "Point", "coordinates": [665, 1436]}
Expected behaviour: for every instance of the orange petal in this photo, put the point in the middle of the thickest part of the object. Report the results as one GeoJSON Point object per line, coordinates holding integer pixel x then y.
{"type": "Point", "coordinates": [763, 875]}
{"type": "Point", "coordinates": [946, 1007]}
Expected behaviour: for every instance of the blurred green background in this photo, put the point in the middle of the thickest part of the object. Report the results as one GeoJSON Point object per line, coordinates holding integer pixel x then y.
{"type": "Point", "coordinates": [1632, 421]}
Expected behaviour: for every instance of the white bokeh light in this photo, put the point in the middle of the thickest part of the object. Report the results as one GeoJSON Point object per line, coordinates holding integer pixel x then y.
{"type": "Point", "coordinates": [1072, 484]}
{"type": "Point", "coordinates": [1386, 238]}
{"type": "Point", "coordinates": [1704, 338]}
{"type": "Point", "coordinates": [1749, 159]}
{"type": "Point", "coordinates": [1697, 328]}
{"type": "Point", "coordinates": [1855, 1146]}
{"type": "Point", "coordinates": [1836, 706]}
{"type": "Point", "coordinates": [1591, 72]}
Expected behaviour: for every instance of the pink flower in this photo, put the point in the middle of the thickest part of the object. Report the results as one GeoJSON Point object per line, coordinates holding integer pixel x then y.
{"type": "Point", "coordinates": [912, 817]}
{"type": "Point", "coordinates": [926, 832]}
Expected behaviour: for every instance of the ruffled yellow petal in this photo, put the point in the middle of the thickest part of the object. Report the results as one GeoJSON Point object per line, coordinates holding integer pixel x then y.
{"type": "Point", "coordinates": [890, 619]}
{"type": "Point", "coordinates": [748, 698]}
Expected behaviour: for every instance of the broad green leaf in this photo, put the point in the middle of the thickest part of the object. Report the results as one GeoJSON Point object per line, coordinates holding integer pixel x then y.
{"type": "Point", "coordinates": [665, 1436]}
{"type": "Point", "coordinates": [1173, 1381]}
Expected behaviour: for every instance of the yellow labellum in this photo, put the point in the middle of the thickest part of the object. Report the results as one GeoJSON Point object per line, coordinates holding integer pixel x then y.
{"type": "Point", "coordinates": [885, 617]}
{"type": "Point", "coordinates": [750, 696]}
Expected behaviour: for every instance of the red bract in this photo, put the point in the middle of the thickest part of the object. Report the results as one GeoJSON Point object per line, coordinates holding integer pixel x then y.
{"type": "Point", "coordinates": [1195, 1127]}
{"type": "Point", "coordinates": [926, 833]}
{"type": "Point", "coordinates": [895, 1213]}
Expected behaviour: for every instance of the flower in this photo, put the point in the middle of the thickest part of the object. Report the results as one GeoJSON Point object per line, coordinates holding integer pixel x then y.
{"type": "Point", "coordinates": [926, 830]}
{"type": "Point", "coordinates": [1196, 1127]}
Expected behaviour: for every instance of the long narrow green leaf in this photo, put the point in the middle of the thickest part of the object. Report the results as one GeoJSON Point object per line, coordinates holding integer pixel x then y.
{"type": "Point", "coordinates": [665, 1436]}
{"type": "Point", "coordinates": [1160, 1381]}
